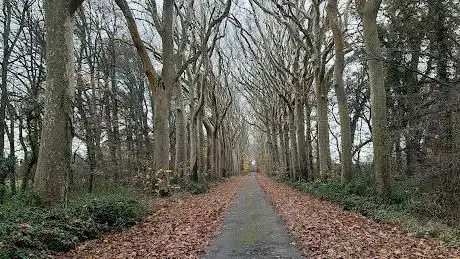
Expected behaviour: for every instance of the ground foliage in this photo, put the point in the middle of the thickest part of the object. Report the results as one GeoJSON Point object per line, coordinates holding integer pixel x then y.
{"type": "Point", "coordinates": [29, 229]}
{"type": "Point", "coordinates": [407, 206]}
{"type": "Point", "coordinates": [181, 228]}
{"type": "Point", "coordinates": [324, 230]}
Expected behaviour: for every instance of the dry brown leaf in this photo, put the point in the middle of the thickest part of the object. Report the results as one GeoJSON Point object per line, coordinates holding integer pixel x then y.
{"type": "Point", "coordinates": [324, 230]}
{"type": "Point", "coordinates": [179, 229]}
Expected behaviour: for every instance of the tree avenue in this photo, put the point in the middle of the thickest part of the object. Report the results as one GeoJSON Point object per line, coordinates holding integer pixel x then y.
{"type": "Point", "coordinates": [362, 95]}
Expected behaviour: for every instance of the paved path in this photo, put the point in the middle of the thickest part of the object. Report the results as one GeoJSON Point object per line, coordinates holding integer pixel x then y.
{"type": "Point", "coordinates": [252, 229]}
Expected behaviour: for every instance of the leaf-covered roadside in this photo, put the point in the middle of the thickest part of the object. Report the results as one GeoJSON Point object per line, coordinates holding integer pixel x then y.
{"type": "Point", "coordinates": [324, 230]}
{"type": "Point", "coordinates": [181, 229]}
{"type": "Point", "coordinates": [31, 230]}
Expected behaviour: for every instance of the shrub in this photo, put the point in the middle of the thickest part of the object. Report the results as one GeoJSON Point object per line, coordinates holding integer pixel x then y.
{"type": "Point", "coordinates": [283, 177]}
{"type": "Point", "coordinates": [31, 230]}
{"type": "Point", "coordinates": [348, 196]}
{"type": "Point", "coordinates": [407, 205]}
{"type": "Point", "coordinates": [197, 187]}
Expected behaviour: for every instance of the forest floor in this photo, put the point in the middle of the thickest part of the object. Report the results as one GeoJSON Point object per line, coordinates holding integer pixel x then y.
{"type": "Point", "coordinates": [179, 228]}
{"type": "Point", "coordinates": [324, 230]}
{"type": "Point", "coordinates": [251, 212]}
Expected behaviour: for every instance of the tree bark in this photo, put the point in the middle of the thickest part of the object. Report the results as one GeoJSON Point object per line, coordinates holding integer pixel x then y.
{"type": "Point", "coordinates": [163, 92]}
{"type": "Point", "coordinates": [195, 124]}
{"type": "Point", "coordinates": [54, 158]}
{"type": "Point", "coordinates": [180, 163]}
{"type": "Point", "coordinates": [293, 144]}
{"type": "Point", "coordinates": [309, 140]}
{"type": "Point", "coordinates": [285, 135]}
{"type": "Point", "coordinates": [302, 145]}
{"type": "Point", "coordinates": [368, 11]}
{"type": "Point", "coordinates": [201, 141]}
{"type": "Point", "coordinates": [324, 153]}
{"type": "Point", "coordinates": [339, 65]}
{"type": "Point", "coordinates": [282, 153]}
{"type": "Point", "coordinates": [114, 139]}
{"type": "Point", "coordinates": [275, 148]}
{"type": "Point", "coordinates": [12, 155]}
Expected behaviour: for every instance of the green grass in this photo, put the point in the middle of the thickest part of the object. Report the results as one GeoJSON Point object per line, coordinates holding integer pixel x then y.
{"type": "Point", "coordinates": [29, 229]}
{"type": "Point", "coordinates": [402, 208]}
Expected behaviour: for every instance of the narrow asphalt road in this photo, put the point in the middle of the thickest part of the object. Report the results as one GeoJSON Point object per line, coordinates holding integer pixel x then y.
{"type": "Point", "coordinates": [252, 229]}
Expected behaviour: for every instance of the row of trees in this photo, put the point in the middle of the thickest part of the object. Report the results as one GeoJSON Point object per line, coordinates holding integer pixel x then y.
{"type": "Point", "coordinates": [88, 92]}
{"type": "Point", "coordinates": [393, 66]}
{"type": "Point", "coordinates": [143, 89]}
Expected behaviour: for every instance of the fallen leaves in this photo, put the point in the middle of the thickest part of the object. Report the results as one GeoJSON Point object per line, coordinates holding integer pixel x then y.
{"type": "Point", "coordinates": [324, 230]}
{"type": "Point", "coordinates": [179, 229]}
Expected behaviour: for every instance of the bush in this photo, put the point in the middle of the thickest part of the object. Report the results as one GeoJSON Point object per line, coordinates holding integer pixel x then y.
{"type": "Point", "coordinates": [283, 177]}
{"type": "Point", "coordinates": [353, 197]}
{"type": "Point", "coordinates": [30, 230]}
{"type": "Point", "coordinates": [108, 214]}
{"type": "Point", "coordinates": [406, 205]}
{"type": "Point", "coordinates": [199, 187]}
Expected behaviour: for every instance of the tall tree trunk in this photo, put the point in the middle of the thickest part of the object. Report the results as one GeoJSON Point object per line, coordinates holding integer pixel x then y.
{"type": "Point", "coordinates": [368, 11]}
{"type": "Point", "coordinates": [115, 141]}
{"type": "Point", "coordinates": [33, 132]}
{"type": "Point", "coordinates": [196, 140]}
{"type": "Point", "coordinates": [309, 140]}
{"type": "Point", "coordinates": [293, 144]}
{"type": "Point", "coordinates": [88, 134]}
{"type": "Point", "coordinates": [24, 148]}
{"type": "Point", "coordinates": [194, 149]}
{"type": "Point", "coordinates": [324, 153]}
{"type": "Point", "coordinates": [413, 131]}
{"type": "Point", "coordinates": [172, 139]}
{"type": "Point", "coordinates": [180, 163]}
{"type": "Point", "coordinates": [322, 90]}
{"type": "Point", "coordinates": [289, 166]}
{"type": "Point", "coordinates": [195, 123]}
{"type": "Point", "coordinates": [93, 127]}
{"type": "Point", "coordinates": [162, 94]}
{"type": "Point", "coordinates": [302, 145]}
{"type": "Point", "coordinates": [317, 165]}
{"type": "Point", "coordinates": [12, 155]}
{"type": "Point", "coordinates": [281, 148]}
{"type": "Point", "coordinates": [138, 121]}
{"type": "Point", "coordinates": [145, 128]}
{"type": "Point", "coordinates": [201, 142]}
{"type": "Point", "coordinates": [208, 154]}
{"type": "Point", "coordinates": [54, 158]}
{"type": "Point", "coordinates": [275, 148]}
{"type": "Point", "coordinates": [339, 64]}
{"type": "Point", "coordinates": [222, 159]}
{"type": "Point", "coordinates": [7, 12]}
{"type": "Point", "coordinates": [268, 148]}
{"type": "Point", "coordinates": [214, 154]}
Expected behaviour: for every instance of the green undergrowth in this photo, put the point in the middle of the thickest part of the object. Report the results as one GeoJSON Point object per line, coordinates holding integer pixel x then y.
{"type": "Point", "coordinates": [402, 208]}
{"type": "Point", "coordinates": [28, 229]}
{"type": "Point", "coordinates": [198, 187]}
{"type": "Point", "coordinates": [202, 185]}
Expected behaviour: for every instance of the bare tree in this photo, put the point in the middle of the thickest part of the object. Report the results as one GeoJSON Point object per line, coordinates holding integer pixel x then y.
{"type": "Point", "coordinates": [368, 10]}
{"type": "Point", "coordinates": [54, 158]}
{"type": "Point", "coordinates": [335, 22]}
